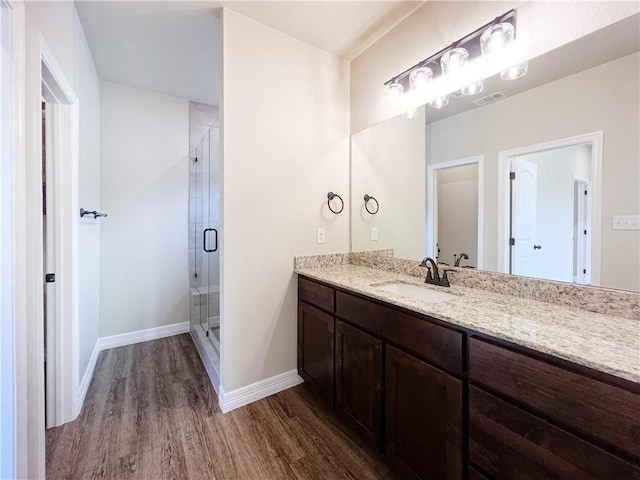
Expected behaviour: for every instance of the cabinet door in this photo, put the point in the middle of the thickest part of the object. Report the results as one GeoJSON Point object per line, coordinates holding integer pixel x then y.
{"type": "Point", "coordinates": [316, 349]}
{"type": "Point", "coordinates": [511, 444]}
{"type": "Point", "coordinates": [423, 418]}
{"type": "Point", "coordinates": [359, 381]}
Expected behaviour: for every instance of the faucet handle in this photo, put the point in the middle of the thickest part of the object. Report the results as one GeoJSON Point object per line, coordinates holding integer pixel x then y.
{"type": "Point", "coordinates": [444, 280]}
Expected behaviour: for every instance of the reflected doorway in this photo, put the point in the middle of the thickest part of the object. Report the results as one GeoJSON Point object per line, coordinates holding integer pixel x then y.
{"type": "Point", "coordinates": [455, 212]}
{"type": "Point", "coordinates": [548, 209]}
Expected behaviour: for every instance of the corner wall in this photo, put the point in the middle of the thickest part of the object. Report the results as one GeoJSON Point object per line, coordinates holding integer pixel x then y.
{"type": "Point", "coordinates": [144, 188]}
{"type": "Point", "coordinates": [285, 143]}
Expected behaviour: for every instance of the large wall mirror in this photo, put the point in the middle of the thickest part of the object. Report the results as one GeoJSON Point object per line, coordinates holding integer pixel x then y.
{"type": "Point", "coordinates": [537, 177]}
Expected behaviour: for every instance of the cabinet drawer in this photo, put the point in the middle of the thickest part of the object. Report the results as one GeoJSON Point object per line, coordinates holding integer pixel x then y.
{"type": "Point", "coordinates": [316, 294]}
{"type": "Point", "coordinates": [426, 340]}
{"type": "Point", "coordinates": [592, 408]}
{"type": "Point", "coordinates": [512, 444]}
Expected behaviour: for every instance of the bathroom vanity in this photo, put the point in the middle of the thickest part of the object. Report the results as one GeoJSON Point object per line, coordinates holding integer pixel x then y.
{"type": "Point", "coordinates": [485, 385]}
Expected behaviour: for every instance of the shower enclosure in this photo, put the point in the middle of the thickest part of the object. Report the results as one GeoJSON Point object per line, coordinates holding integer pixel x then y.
{"type": "Point", "coordinates": [204, 253]}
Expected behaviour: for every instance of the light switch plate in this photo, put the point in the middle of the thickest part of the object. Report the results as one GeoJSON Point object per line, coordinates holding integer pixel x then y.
{"type": "Point", "coordinates": [321, 236]}
{"type": "Point", "coordinates": [626, 222]}
{"type": "Point", "coordinates": [374, 233]}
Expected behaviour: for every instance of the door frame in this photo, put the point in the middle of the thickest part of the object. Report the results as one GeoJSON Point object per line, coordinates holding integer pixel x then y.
{"type": "Point", "coordinates": [41, 68]}
{"type": "Point", "coordinates": [504, 211]}
{"type": "Point", "coordinates": [14, 434]}
{"type": "Point", "coordinates": [432, 201]}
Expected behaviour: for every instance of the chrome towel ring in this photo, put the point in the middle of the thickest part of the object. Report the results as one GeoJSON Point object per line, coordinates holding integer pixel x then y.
{"type": "Point", "coordinates": [331, 196]}
{"type": "Point", "coordinates": [366, 204]}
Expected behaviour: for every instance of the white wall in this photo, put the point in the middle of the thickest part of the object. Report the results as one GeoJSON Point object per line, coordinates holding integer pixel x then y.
{"type": "Point", "coordinates": [389, 163]}
{"type": "Point", "coordinates": [144, 190]}
{"type": "Point", "coordinates": [438, 24]}
{"type": "Point", "coordinates": [285, 136]}
{"type": "Point", "coordinates": [603, 98]}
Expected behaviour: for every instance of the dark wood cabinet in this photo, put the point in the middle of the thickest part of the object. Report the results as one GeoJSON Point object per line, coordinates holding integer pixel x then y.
{"type": "Point", "coordinates": [359, 381]}
{"type": "Point", "coordinates": [445, 402]}
{"type": "Point", "coordinates": [510, 443]}
{"type": "Point", "coordinates": [316, 349]}
{"type": "Point", "coordinates": [423, 418]}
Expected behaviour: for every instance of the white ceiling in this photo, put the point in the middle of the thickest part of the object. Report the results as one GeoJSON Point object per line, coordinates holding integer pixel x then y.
{"type": "Point", "coordinates": [172, 47]}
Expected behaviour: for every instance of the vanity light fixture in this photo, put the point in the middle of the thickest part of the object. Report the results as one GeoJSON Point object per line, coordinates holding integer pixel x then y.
{"type": "Point", "coordinates": [462, 66]}
{"type": "Point", "coordinates": [395, 91]}
{"type": "Point", "coordinates": [439, 102]}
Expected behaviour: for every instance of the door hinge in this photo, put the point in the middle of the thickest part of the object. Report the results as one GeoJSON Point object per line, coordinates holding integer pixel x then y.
{"type": "Point", "coordinates": [512, 175]}
{"type": "Point", "coordinates": [585, 192]}
{"type": "Point", "coordinates": [512, 241]}
{"type": "Point", "coordinates": [50, 277]}
{"type": "Point", "coordinates": [584, 270]}
{"type": "Point", "coordinates": [585, 232]}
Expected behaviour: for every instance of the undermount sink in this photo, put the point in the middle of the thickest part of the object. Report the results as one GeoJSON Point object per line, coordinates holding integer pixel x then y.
{"type": "Point", "coordinates": [416, 292]}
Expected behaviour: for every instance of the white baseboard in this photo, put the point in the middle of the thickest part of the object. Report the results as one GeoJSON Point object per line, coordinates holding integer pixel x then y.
{"type": "Point", "coordinates": [257, 391]}
{"type": "Point", "coordinates": [88, 375]}
{"type": "Point", "coordinates": [130, 338]}
{"type": "Point", "coordinates": [121, 340]}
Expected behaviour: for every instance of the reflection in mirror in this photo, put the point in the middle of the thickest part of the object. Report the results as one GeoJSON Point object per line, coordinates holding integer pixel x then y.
{"type": "Point", "coordinates": [590, 101]}
{"type": "Point", "coordinates": [456, 215]}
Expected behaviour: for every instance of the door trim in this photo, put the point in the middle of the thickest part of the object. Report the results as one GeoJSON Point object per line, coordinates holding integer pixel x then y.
{"type": "Point", "coordinates": [432, 211]}
{"type": "Point", "coordinates": [504, 163]}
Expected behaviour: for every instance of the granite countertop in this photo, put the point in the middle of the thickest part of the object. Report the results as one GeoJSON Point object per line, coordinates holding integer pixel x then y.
{"type": "Point", "coordinates": [602, 342]}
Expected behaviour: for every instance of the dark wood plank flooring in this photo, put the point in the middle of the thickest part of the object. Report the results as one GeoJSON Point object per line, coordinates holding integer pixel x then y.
{"type": "Point", "coordinates": [151, 413]}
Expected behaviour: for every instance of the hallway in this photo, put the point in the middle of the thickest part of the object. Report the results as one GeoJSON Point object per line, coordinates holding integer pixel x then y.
{"type": "Point", "coordinates": [151, 413]}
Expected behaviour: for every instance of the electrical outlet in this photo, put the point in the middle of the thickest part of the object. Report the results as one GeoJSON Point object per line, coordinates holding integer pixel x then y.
{"type": "Point", "coordinates": [321, 236]}
{"type": "Point", "coordinates": [374, 233]}
{"type": "Point", "coordinates": [626, 222]}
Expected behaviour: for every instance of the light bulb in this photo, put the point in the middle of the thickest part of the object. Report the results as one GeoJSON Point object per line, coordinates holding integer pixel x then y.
{"type": "Point", "coordinates": [411, 113]}
{"type": "Point", "coordinates": [496, 37]}
{"type": "Point", "coordinates": [440, 102]}
{"type": "Point", "coordinates": [420, 78]}
{"type": "Point", "coordinates": [473, 89]}
{"type": "Point", "coordinates": [454, 59]}
{"type": "Point", "coordinates": [395, 91]}
{"type": "Point", "coordinates": [515, 72]}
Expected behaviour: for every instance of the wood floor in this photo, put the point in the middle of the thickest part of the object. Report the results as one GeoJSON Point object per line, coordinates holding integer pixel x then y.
{"type": "Point", "coordinates": [151, 413]}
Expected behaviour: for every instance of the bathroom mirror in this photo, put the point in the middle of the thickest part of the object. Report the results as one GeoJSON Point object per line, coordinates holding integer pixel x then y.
{"type": "Point", "coordinates": [443, 178]}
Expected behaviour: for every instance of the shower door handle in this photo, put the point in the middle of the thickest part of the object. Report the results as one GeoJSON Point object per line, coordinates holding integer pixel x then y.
{"type": "Point", "coordinates": [204, 240]}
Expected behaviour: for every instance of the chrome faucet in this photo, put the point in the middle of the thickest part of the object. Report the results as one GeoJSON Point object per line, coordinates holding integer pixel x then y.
{"type": "Point", "coordinates": [457, 260]}
{"type": "Point", "coordinates": [434, 278]}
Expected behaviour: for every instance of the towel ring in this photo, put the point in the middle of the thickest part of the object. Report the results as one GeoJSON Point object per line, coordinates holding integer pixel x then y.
{"type": "Point", "coordinates": [366, 204]}
{"type": "Point", "coordinates": [331, 196]}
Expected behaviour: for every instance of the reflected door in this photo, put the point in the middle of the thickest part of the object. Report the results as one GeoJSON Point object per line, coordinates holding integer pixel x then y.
{"type": "Point", "coordinates": [524, 218]}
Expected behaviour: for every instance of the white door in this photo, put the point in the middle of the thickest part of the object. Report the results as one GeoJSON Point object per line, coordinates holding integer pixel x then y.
{"type": "Point", "coordinates": [524, 218]}
{"type": "Point", "coordinates": [581, 232]}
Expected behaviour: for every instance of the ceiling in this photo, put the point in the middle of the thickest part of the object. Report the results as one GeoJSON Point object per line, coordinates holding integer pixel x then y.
{"type": "Point", "coordinates": [172, 47]}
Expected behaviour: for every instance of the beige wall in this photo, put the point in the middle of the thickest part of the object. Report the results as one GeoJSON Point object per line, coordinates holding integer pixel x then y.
{"type": "Point", "coordinates": [145, 189]}
{"type": "Point", "coordinates": [437, 24]}
{"type": "Point", "coordinates": [285, 140]}
{"type": "Point", "coordinates": [603, 98]}
{"type": "Point", "coordinates": [388, 163]}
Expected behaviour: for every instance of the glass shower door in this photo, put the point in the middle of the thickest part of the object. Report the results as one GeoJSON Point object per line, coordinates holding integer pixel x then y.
{"type": "Point", "coordinates": [203, 233]}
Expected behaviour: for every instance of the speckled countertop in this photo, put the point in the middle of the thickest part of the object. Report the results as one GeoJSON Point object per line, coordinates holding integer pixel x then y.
{"type": "Point", "coordinates": [602, 342]}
